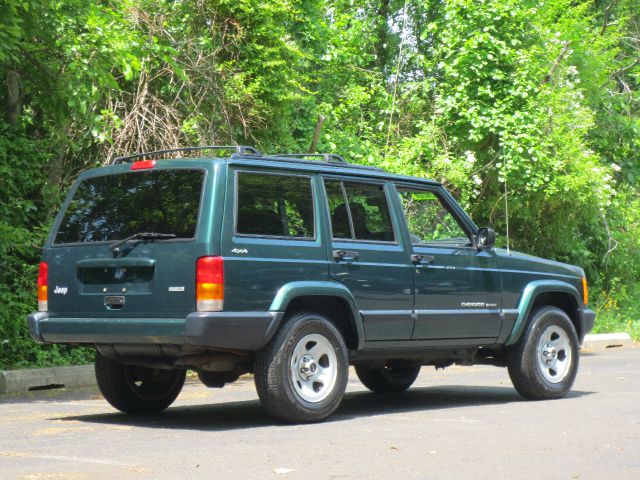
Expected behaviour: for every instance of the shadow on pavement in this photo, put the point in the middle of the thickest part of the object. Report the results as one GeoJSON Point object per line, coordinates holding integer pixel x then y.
{"type": "Point", "coordinates": [250, 414]}
{"type": "Point", "coordinates": [56, 395]}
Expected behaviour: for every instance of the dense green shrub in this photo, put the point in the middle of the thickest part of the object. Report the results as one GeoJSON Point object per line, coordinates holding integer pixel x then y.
{"type": "Point", "coordinates": [25, 210]}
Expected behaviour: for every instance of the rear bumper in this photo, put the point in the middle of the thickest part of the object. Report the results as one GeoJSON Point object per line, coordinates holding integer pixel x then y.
{"type": "Point", "coordinates": [248, 331]}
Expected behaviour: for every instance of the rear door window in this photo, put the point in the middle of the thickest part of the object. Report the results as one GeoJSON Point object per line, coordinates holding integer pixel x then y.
{"type": "Point", "coordinates": [274, 205]}
{"type": "Point", "coordinates": [114, 207]}
{"type": "Point", "coordinates": [359, 211]}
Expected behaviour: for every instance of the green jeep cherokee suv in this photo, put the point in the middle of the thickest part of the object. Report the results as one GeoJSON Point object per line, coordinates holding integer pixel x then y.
{"type": "Point", "coordinates": [293, 267]}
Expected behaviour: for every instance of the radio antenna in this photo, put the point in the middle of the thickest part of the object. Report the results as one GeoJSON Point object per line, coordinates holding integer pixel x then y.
{"type": "Point", "coordinates": [506, 208]}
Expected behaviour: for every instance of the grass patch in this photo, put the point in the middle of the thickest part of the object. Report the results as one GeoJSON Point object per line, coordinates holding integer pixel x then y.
{"type": "Point", "coordinates": [617, 310]}
{"type": "Point", "coordinates": [608, 321]}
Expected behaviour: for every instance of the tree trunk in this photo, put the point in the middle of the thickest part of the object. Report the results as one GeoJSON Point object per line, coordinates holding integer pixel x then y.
{"type": "Point", "coordinates": [316, 135]}
{"type": "Point", "coordinates": [55, 168]}
{"type": "Point", "coordinates": [382, 30]}
{"type": "Point", "coordinates": [14, 98]}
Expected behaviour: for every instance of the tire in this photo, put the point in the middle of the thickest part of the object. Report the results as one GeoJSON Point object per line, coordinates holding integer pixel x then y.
{"type": "Point", "coordinates": [137, 390]}
{"type": "Point", "coordinates": [544, 362]}
{"type": "Point", "coordinates": [393, 377]}
{"type": "Point", "coordinates": [301, 375]}
{"type": "Point", "coordinates": [217, 379]}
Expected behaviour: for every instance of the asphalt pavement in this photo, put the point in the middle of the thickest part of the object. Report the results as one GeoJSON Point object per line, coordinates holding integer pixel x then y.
{"type": "Point", "coordinates": [463, 422]}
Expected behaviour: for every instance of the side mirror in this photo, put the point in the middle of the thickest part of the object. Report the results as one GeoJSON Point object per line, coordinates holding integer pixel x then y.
{"type": "Point", "coordinates": [486, 238]}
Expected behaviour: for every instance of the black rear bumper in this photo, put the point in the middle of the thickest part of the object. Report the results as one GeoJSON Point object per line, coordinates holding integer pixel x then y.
{"type": "Point", "coordinates": [246, 331]}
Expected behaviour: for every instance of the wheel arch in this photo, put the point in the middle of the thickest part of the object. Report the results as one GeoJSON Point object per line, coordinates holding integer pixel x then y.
{"type": "Point", "coordinates": [332, 299]}
{"type": "Point", "coordinates": [554, 293]}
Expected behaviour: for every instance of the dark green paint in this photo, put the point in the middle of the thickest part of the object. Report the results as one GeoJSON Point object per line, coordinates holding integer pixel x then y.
{"type": "Point", "coordinates": [464, 297]}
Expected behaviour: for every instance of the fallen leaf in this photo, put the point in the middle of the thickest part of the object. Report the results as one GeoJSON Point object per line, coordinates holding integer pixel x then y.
{"type": "Point", "coordinates": [283, 471]}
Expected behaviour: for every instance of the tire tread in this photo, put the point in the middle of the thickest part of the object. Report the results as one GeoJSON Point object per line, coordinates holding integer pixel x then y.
{"type": "Point", "coordinates": [378, 381]}
{"type": "Point", "coordinates": [522, 362]}
{"type": "Point", "coordinates": [112, 382]}
{"type": "Point", "coordinates": [271, 379]}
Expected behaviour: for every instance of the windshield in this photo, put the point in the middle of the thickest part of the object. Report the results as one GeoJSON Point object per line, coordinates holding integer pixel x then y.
{"type": "Point", "coordinates": [114, 207]}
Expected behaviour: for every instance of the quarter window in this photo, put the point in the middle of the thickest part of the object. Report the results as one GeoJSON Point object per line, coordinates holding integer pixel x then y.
{"type": "Point", "coordinates": [275, 205]}
{"type": "Point", "coordinates": [428, 219]}
{"type": "Point", "coordinates": [359, 211]}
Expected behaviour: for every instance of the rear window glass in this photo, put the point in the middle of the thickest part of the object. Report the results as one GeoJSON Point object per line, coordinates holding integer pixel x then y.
{"type": "Point", "coordinates": [275, 205]}
{"type": "Point", "coordinates": [114, 207]}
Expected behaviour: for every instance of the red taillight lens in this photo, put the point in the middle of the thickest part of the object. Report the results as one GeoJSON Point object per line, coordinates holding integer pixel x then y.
{"type": "Point", "coordinates": [143, 164]}
{"type": "Point", "coordinates": [209, 284]}
{"type": "Point", "coordinates": [43, 279]}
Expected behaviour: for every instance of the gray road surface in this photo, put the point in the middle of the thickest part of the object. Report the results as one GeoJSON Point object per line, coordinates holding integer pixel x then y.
{"type": "Point", "coordinates": [463, 422]}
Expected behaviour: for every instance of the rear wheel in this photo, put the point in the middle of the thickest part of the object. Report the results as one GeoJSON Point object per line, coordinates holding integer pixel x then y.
{"type": "Point", "coordinates": [394, 377]}
{"type": "Point", "coordinates": [543, 364]}
{"type": "Point", "coordinates": [301, 375]}
{"type": "Point", "coordinates": [133, 389]}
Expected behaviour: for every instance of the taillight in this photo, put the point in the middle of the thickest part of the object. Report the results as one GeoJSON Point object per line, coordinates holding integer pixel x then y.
{"type": "Point", "coordinates": [43, 274]}
{"type": "Point", "coordinates": [209, 284]}
{"type": "Point", "coordinates": [143, 164]}
{"type": "Point", "coordinates": [585, 291]}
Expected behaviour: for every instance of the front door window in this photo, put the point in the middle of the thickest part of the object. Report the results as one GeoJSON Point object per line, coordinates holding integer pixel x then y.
{"type": "Point", "coordinates": [428, 219]}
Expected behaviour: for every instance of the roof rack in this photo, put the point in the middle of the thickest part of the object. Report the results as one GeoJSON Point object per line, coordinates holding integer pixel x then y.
{"type": "Point", "coordinates": [241, 149]}
{"type": "Point", "coordinates": [333, 158]}
{"type": "Point", "coordinates": [326, 157]}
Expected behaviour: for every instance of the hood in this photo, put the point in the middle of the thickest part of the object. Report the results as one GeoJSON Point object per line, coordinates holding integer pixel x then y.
{"type": "Point", "coordinates": [512, 260]}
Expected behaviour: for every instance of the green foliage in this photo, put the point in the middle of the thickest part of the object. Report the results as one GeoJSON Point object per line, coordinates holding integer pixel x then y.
{"type": "Point", "coordinates": [617, 309]}
{"type": "Point", "coordinates": [11, 31]}
{"type": "Point", "coordinates": [535, 100]}
{"type": "Point", "coordinates": [24, 213]}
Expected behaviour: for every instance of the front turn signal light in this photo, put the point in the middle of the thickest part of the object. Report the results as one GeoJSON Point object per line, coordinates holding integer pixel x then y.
{"type": "Point", "coordinates": [585, 291]}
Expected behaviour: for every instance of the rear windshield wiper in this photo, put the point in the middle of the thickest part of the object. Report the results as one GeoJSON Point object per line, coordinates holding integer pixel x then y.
{"type": "Point", "coordinates": [115, 247]}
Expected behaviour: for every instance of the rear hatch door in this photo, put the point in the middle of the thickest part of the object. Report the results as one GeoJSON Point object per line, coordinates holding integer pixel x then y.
{"type": "Point", "coordinates": [147, 276]}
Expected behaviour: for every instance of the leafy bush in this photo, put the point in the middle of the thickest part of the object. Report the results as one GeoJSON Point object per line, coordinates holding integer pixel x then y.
{"type": "Point", "coordinates": [25, 211]}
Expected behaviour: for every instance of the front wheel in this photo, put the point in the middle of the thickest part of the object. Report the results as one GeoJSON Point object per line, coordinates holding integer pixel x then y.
{"type": "Point", "coordinates": [544, 362]}
{"type": "Point", "coordinates": [393, 377]}
{"type": "Point", "coordinates": [133, 389]}
{"type": "Point", "coordinates": [301, 375]}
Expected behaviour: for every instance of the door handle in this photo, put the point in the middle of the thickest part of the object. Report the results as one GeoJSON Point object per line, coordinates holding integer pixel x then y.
{"type": "Point", "coordinates": [345, 255]}
{"type": "Point", "coordinates": [421, 258]}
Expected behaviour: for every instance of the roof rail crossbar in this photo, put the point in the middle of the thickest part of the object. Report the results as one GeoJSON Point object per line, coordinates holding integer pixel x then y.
{"type": "Point", "coordinates": [327, 157]}
{"type": "Point", "coordinates": [242, 149]}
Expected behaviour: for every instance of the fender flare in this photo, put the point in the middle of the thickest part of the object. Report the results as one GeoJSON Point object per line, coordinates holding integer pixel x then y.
{"type": "Point", "coordinates": [293, 290]}
{"type": "Point", "coordinates": [530, 293]}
